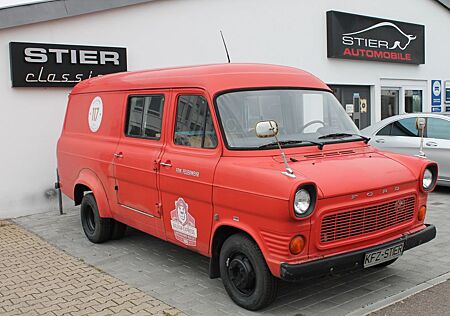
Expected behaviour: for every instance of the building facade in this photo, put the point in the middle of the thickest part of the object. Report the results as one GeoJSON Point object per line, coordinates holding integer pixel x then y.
{"type": "Point", "coordinates": [380, 58]}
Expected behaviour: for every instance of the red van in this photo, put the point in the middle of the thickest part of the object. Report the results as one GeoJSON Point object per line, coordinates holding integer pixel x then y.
{"type": "Point", "coordinates": [257, 167]}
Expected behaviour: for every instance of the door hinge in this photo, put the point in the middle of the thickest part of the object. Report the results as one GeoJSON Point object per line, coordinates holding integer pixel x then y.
{"type": "Point", "coordinates": [158, 208]}
{"type": "Point", "coordinates": [155, 165]}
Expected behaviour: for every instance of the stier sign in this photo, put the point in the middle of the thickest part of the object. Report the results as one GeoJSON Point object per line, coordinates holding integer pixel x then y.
{"type": "Point", "coordinates": [59, 65]}
{"type": "Point", "coordinates": [351, 36]}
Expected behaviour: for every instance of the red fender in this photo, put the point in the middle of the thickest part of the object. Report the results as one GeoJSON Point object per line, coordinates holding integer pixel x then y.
{"type": "Point", "coordinates": [273, 266]}
{"type": "Point", "coordinates": [88, 178]}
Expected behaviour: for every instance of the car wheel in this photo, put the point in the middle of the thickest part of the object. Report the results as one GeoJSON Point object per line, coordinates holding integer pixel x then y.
{"type": "Point", "coordinates": [118, 230]}
{"type": "Point", "coordinates": [245, 275]}
{"type": "Point", "coordinates": [96, 228]}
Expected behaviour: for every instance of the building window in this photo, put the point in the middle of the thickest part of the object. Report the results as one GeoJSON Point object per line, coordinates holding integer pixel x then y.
{"type": "Point", "coordinates": [413, 101]}
{"type": "Point", "coordinates": [389, 102]}
{"type": "Point", "coordinates": [144, 116]}
{"type": "Point", "coordinates": [194, 126]}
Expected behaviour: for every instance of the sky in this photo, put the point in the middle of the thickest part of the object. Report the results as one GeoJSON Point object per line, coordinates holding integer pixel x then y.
{"type": "Point", "coordinates": [8, 3]}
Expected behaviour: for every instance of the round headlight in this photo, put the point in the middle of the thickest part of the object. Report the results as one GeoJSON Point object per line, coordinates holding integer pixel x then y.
{"type": "Point", "coordinates": [302, 202]}
{"type": "Point", "coordinates": [427, 181]}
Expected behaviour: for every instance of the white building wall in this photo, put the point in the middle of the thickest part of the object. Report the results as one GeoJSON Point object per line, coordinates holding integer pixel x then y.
{"type": "Point", "coordinates": [175, 32]}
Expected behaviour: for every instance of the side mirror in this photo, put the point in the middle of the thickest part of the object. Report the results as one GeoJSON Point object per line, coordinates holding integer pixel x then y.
{"type": "Point", "coordinates": [420, 123]}
{"type": "Point", "coordinates": [266, 129]}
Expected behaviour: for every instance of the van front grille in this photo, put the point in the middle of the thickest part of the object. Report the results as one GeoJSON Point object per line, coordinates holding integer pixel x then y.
{"type": "Point", "coordinates": [364, 221]}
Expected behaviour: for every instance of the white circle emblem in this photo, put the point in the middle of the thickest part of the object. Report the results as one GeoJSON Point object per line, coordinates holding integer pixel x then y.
{"type": "Point", "coordinates": [437, 88]}
{"type": "Point", "coordinates": [95, 114]}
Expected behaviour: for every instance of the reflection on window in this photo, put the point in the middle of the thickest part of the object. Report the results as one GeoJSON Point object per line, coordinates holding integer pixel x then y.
{"type": "Point", "coordinates": [194, 126]}
{"type": "Point", "coordinates": [389, 102]}
{"type": "Point", "coordinates": [300, 115]}
{"type": "Point", "coordinates": [405, 127]}
{"type": "Point", "coordinates": [145, 116]}
{"type": "Point", "coordinates": [413, 101]}
{"type": "Point", "coordinates": [438, 128]}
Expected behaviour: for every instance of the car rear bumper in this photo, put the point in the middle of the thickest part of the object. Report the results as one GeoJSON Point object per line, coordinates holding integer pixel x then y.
{"type": "Point", "coordinates": [352, 260]}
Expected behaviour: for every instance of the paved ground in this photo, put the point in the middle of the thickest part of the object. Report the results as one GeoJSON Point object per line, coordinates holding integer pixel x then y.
{"type": "Point", "coordinates": [434, 301]}
{"type": "Point", "coordinates": [179, 277]}
{"type": "Point", "coordinates": [39, 279]}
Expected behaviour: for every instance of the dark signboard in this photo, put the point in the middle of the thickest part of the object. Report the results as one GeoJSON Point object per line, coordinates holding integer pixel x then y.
{"type": "Point", "coordinates": [59, 65]}
{"type": "Point", "coordinates": [351, 36]}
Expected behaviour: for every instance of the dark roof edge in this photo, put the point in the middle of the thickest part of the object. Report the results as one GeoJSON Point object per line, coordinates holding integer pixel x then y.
{"type": "Point", "coordinates": [445, 3]}
{"type": "Point", "coordinates": [56, 9]}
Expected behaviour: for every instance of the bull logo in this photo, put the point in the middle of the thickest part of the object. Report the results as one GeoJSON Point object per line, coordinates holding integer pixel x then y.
{"type": "Point", "coordinates": [401, 44]}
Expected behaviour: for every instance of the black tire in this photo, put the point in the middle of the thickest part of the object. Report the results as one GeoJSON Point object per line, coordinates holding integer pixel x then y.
{"type": "Point", "coordinates": [96, 228]}
{"type": "Point", "coordinates": [245, 274]}
{"type": "Point", "coordinates": [118, 230]}
{"type": "Point", "coordinates": [385, 264]}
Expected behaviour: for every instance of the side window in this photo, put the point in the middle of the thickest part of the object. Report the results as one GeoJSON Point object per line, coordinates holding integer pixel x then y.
{"type": "Point", "coordinates": [194, 126]}
{"type": "Point", "coordinates": [144, 116]}
{"type": "Point", "coordinates": [385, 131]}
{"type": "Point", "coordinates": [405, 127]}
{"type": "Point", "coordinates": [438, 128]}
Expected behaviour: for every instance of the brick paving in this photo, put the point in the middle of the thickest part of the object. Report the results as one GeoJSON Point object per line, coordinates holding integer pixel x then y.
{"type": "Point", "coordinates": [38, 279]}
{"type": "Point", "coordinates": [180, 277]}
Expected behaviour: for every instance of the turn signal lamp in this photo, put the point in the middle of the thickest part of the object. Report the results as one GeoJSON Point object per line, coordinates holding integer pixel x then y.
{"type": "Point", "coordinates": [297, 245]}
{"type": "Point", "coordinates": [422, 212]}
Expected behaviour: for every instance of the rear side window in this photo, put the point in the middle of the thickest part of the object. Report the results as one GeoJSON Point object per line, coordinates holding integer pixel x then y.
{"type": "Point", "coordinates": [144, 116]}
{"type": "Point", "coordinates": [438, 128]}
{"type": "Point", "coordinates": [194, 126]}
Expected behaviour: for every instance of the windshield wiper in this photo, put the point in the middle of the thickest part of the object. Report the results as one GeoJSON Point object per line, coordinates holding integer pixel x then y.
{"type": "Point", "coordinates": [291, 142]}
{"type": "Point", "coordinates": [342, 135]}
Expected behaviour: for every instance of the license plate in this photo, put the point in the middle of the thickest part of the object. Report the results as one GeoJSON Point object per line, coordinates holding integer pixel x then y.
{"type": "Point", "coordinates": [383, 255]}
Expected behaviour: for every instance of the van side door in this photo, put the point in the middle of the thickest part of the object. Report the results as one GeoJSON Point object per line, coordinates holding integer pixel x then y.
{"type": "Point", "coordinates": [137, 155]}
{"type": "Point", "coordinates": [187, 167]}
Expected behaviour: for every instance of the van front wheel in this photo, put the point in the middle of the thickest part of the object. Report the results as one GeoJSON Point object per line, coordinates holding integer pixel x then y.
{"type": "Point", "coordinates": [96, 228]}
{"type": "Point", "coordinates": [245, 274]}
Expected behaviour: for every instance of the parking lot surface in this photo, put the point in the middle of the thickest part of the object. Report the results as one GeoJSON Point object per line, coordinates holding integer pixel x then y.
{"type": "Point", "coordinates": [180, 277]}
{"type": "Point", "coordinates": [38, 279]}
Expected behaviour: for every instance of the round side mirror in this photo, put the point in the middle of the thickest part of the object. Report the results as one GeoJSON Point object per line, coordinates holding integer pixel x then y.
{"type": "Point", "coordinates": [266, 129]}
{"type": "Point", "coordinates": [420, 123]}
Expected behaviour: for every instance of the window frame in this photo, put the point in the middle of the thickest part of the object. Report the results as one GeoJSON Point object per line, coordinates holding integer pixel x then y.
{"type": "Point", "coordinates": [127, 115]}
{"type": "Point", "coordinates": [188, 93]}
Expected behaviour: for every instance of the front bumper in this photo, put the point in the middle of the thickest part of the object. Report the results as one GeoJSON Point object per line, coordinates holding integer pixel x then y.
{"type": "Point", "coordinates": [350, 261]}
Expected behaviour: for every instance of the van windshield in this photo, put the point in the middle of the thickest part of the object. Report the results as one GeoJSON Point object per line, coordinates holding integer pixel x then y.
{"type": "Point", "coordinates": [306, 115]}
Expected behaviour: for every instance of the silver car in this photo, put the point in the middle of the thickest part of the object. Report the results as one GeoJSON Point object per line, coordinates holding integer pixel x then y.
{"type": "Point", "coordinates": [399, 134]}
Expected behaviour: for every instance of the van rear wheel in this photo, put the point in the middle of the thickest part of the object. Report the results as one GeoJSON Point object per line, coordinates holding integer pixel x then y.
{"type": "Point", "coordinates": [96, 228]}
{"type": "Point", "coordinates": [245, 275]}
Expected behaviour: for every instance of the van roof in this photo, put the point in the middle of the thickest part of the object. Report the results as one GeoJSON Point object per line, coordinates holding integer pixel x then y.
{"type": "Point", "coordinates": [212, 78]}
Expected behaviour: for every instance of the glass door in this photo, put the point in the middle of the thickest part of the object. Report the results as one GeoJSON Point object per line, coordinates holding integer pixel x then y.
{"type": "Point", "coordinates": [356, 102]}
{"type": "Point", "coordinates": [389, 102]}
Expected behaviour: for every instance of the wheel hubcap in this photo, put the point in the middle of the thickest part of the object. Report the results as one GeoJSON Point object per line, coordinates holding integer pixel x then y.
{"type": "Point", "coordinates": [242, 274]}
